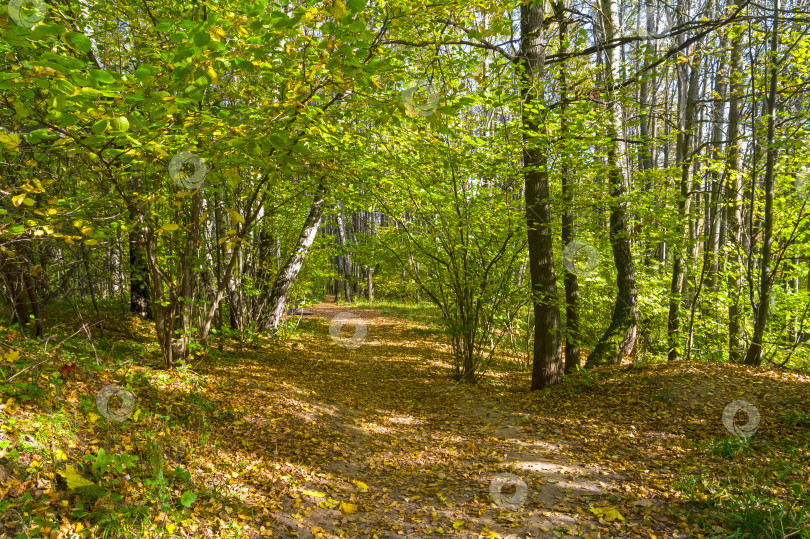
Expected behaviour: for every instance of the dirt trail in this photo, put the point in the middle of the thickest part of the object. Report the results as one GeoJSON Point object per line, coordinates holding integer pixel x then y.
{"type": "Point", "coordinates": [413, 453]}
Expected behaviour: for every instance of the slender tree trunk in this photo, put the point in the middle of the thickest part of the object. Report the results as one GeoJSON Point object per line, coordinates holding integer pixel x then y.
{"type": "Point", "coordinates": [754, 354]}
{"type": "Point", "coordinates": [138, 271]}
{"type": "Point", "coordinates": [572, 324]}
{"type": "Point", "coordinates": [687, 97]}
{"type": "Point", "coordinates": [734, 196]}
{"type": "Point", "coordinates": [345, 263]}
{"type": "Point", "coordinates": [547, 365]}
{"type": "Point", "coordinates": [288, 274]}
{"type": "Point", "coordinates": [619, 338]}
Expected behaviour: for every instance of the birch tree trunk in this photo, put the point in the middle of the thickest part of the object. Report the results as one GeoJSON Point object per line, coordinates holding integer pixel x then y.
{"type": "Point", "coordinates": [291, 269]}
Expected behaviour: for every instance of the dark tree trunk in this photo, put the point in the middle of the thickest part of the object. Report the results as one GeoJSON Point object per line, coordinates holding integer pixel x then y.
{"type": "Point", "coordinates": [547, 365]}
{"type": "Point", "coordinates": [572, 324]}
{"type": "Point", "coordinates": [138, 271]}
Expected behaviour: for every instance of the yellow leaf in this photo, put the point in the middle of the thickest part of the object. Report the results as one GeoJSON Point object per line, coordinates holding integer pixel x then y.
{"type": "Point", "coordinates": [60, 455]}
{"type": "Point", "coordinates": [91, 242]}
{"type": "Point", "coordinates": [457, 524]}
{"type": "Point", "coordinates": [170, 527]}
{"type": "Point", "coordinates": [347, 508]}
{"type": "Point", "coordinates": [93, 417]}
{"type": "Point", "coordinates": [170, 228]}
{"type": "Point", "coordinates": [212, 75]}
{"type": "Point", "coordinates": [17, 200]}
{"type": "Point", "coordinates": [362, 486]}
{"type": "Point", "coordinates": [74, 478]}
{"type": "Point", "coordinates": [608, 513]}
{"type": "Point", "coordinates": [12, 355]}
{"type": "Point", "coordinates": [137, 413]}
{"type": "Point", "coordinates": [338, 9]}
{"type": "Point", "coordinates": [235, 216]}
{"type": "Point", "coordinates": [10, 141]}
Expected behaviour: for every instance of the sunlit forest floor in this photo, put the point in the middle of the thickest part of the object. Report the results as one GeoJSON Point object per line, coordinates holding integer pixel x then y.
{"type": "Point", "coordinates": [301, 437]}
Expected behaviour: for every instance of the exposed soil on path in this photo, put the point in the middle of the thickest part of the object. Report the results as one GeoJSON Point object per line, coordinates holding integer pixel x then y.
{"type": "Point", "coordinates": [365, 434]}
{"type": "Point", "coordinates": [384, 427]}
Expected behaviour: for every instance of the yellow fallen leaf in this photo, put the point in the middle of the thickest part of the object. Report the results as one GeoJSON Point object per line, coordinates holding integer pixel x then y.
{"type": "Point", "coordinates": [74, 478]}
{"type": "Point", "coordinates": [13, 355]}
{"type": "Point", "coordinates": [93, 417]}
{"type": "Point", "coordinates": [170, 527]}
{"type": "Point", "coordinates": [457, 524]}
{"type": "Point", "coordinates": [608, 513]}
{"type": "Point", "coordinates": [137, 413]}
{"type": "Point", "coordinates": [362, 486]}
{"type": "Point", "coordinates": [60, 455]}
{"type": "Point", "coordinates": [347, 508]}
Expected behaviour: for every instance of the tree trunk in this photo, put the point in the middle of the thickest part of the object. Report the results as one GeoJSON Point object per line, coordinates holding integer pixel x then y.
{"type": "Point", "coordinates": [687, 96]}
{"type": "Point", "coordinates": [288, 274]}
{"type": "Point", "coordinates": [345, 261]}
{"type": "Point", "coordinates": [138, 271]}
{"type": "Point", "coordinates": [547, 365]}
{"type": "Point", "coordinates": [754, 354]}
{"type": "Point", "coordinates": [619, 338]}
{"type": "Point", "coordinates": [734, 196]}
{"type": "Point", "coordinates": [572, 324]}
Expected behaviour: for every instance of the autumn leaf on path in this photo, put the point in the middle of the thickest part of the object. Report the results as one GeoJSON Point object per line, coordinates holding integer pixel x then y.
{"type": "Point", "coordinates": [608, 513]}
{"type": "Point", "coordinates": [74, 478]}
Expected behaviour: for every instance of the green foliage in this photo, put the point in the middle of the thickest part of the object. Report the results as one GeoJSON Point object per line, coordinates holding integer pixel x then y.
{"type": "Point", "coordinates": [726, 447]}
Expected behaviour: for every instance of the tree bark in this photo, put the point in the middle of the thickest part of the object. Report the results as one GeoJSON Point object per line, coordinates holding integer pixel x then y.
{"type": "Point", "coordinates": [572, 322]}
{"type": "Point", "coordinates": [547, 364]}
{"type": "Point", "coordinates": [619, 338]}
{"type": "Point", "coordinates": [687, 97]}
{"type": "Point", "coordinates": [288, 273]}
{"type": "Point", "coordinates": [754, 354]}
{"type": "Point", "coordinates": [734, 196]}
{"type": "Point", "coordinates": [139, 303]}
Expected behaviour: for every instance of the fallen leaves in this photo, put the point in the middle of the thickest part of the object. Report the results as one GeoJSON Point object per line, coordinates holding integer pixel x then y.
{"type": "Point", "coordinates": [74, 478]}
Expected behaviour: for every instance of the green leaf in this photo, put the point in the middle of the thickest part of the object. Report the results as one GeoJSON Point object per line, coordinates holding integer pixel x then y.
{"type": "Point", "coordinates": [102, 76]}
{"type": "Point", "coordinates": [100, 126]}
{"type": "Point", "coordinates": [188, 498]}
{"type": "Point", "coordinates": [143, 72]}
{"type": "Point", "coordinates": [121, 123]}
{"type": "Point", "coordinates": [201, 38]}
{"type": "Point", "coordinates": [356, 5]}
{"type": "Point", "coordinates": [79, 41]}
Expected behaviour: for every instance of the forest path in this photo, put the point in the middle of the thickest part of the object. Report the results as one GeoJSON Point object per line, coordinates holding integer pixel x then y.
{"type": "Point", "coordinates": [403, 450]}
